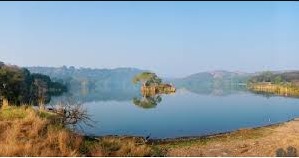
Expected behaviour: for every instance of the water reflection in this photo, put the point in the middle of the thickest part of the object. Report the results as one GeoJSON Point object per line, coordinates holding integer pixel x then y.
{"type": "Point", "coordinates": [98, 95]}
{"type": "Point", "coordinates": [191, 111]}
{"type": "Point", "coordinates": [151, 96]}
{"type": "Point", "coordinates": [214, 90]}
{"type": "Point", "coordinates": [273, 94]}
{"type": "Point", "coordinates": [133, 94]}
{"type": "Point", "coordinates": [147, 102]}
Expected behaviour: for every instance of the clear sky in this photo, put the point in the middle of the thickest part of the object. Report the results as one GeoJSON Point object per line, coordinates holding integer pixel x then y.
{"type": "Point", "coordinates": [171, 38]}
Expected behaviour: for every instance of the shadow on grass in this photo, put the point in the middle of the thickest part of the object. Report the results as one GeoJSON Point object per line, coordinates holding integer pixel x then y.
{"type": "Point", "coordinates": [290, 152]}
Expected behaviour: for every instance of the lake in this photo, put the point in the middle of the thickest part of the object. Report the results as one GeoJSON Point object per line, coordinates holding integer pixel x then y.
{"type": "Point", "coordinates": [184, 113]}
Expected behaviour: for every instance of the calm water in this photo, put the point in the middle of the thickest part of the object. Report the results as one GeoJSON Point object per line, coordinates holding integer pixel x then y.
{"type": "Point", "coordinates": [186, 114]}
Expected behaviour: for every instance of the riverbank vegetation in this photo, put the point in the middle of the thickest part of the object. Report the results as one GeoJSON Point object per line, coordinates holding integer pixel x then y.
{"type": "Point", "coordinates": [285, 84]}
{"type": "Point", "coordinates": [285, 89]}
{"type": "Point", "coordinates": [19, 86]}
{"type": "Point", "coordinates": [25, 131]}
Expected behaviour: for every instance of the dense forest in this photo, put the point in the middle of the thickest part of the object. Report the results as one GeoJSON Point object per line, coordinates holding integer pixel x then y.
{"type": "Point", "coordinates": [19, 86]}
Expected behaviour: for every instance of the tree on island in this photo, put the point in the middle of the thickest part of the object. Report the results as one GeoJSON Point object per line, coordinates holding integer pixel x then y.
{"type": "Point", "coordinates": [147, 79]}
{"type": "Point", "coordinates": [152, 84]}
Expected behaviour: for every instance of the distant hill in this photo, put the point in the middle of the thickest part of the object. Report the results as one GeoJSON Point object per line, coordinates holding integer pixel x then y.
{"type": "Point", "coordinates": [216, 78]}
{"type": "Point", "coordinates": [213, 82]}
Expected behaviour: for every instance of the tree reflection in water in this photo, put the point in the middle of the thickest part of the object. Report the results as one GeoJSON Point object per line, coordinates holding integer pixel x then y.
{"type": "Point", "coordinates": [147, 101]}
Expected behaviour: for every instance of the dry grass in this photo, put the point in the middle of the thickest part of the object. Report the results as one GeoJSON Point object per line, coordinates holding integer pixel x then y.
{"type": "Point", "coordinates": [23, 132]}
{"type": "Point", "coordinates": [277, 89]}
{"type": "Point", "coordinates": [124, 146]}
{"type": "Point", "coordinates": [28, 132]}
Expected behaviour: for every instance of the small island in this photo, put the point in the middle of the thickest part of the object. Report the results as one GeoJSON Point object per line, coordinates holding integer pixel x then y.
{"type": "Point", "coordinates": [152, 84]}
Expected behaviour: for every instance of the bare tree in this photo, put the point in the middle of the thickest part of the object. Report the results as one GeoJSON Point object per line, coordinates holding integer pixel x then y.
{"type": "Point", "coordinates": [72, 114]}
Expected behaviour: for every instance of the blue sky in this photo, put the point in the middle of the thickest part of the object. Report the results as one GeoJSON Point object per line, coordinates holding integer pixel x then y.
{"type": "Point", "coordinates": [173, 39]}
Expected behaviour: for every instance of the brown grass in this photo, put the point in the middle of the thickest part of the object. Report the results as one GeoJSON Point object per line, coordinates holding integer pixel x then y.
{"type": "Point", "coordinates": [124, 146]}
{"type": "Point", "coordinates": [25, 131]}
{"type": "Point", "coordinates": [277, 89]}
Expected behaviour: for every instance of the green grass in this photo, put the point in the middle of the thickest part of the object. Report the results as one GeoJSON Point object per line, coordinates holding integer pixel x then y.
{"type": "Point", "coordinates": [11, 113]}
{"type": "Point", "coordinates": [46, 115]}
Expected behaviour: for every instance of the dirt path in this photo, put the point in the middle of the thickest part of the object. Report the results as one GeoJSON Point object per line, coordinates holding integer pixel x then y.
{"type": "Point", "coordinates": [277, 140]}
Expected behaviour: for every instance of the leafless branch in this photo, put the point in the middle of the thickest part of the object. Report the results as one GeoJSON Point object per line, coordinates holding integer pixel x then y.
{"type": "Point", "coordinates": [72, 114]}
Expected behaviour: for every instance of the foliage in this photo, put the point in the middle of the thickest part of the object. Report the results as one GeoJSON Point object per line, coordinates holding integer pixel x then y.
{"type": "Point", "coordinates": [147, 78]}
{"type": "Point", "coordinates": [276, 78]}
{"type": "Point", "coordinates": [19, 86]}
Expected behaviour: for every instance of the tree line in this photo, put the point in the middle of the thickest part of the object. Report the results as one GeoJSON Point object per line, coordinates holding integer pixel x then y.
{"type": "Point", "coordinates": [276, 78]}
{"type": "Point", "coordinates": [19, 86]}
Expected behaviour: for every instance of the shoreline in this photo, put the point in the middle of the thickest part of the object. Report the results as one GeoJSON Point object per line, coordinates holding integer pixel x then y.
{"type": "Point", "coordinates": [279, 139]}
{"type": "Point", "coordinates": [187, 138]}
{"type": "Point", "coordinates": [270, 140]}
{"type": "Point", "coordinates": [276, 139]}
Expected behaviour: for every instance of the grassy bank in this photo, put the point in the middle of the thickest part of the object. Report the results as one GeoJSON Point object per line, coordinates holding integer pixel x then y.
{"type": "Point", "coordinates": [286, 89]}
{"type": "Point", "coordinates": [25, 131]}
